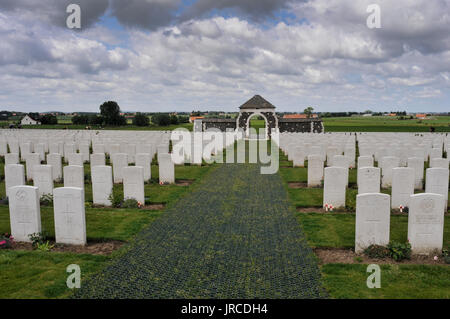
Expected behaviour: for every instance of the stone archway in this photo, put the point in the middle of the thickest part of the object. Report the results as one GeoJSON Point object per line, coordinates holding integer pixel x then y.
{"type": "Point", "coordinates": [254, 107]}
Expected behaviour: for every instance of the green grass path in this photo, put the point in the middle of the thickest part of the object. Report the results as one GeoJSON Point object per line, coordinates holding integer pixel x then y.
{"type": "Point", "coordinates": [235, 236]}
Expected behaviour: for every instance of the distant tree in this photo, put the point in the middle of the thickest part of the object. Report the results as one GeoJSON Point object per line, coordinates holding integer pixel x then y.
{"type": "Point", "coordinates": [174, 120]}
{"type": "Point", "coordinates": [196, 113]}
{"type": "Point", "coordinates": [161, 119]}
{"type": "Point", "coordinates": [95, 120]}
{"type": "Point", "coordinates": [141, 120]}
{"type": "Point", "coordinates": [183, 119]}
{"type": "Point", "coordinates": [80, 120]}
{"type": "Point", "coordinates": [308, 111]}
{"type": "Point", "coordinates": [110, 112]}
{"type": "Point", "coordinates": [49, 119]}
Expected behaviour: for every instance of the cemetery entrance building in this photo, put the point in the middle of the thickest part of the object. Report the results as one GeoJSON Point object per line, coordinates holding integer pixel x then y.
{"type": "Point", "coordinates": [257, 106]}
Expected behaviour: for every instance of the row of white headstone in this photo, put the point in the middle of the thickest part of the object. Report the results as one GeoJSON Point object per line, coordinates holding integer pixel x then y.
{"type": "Point", "coordinates": [403, 184]}
{"type": "Point", "coordinates": [69, 214]}
{"type": "Point", "coordinates": [425, 221]}
{"type": "Point", "coordinates": [74, 172]}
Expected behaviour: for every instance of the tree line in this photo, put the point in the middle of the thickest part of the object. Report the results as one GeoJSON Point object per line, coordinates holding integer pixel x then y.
{"type": "Point", "coordinates": [110, 115]}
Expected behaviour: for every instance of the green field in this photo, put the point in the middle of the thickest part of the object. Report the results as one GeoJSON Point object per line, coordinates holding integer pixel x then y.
{"type": "Point", "coordinates": [331, 124]}
{"type": "Point", "coordinates": [376, 124]}
{"type": "Point", "coordinates": [385, 124]}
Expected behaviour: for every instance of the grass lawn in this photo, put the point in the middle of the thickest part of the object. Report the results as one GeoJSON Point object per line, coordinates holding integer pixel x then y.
{"type": "Point", "coordinates": [385, 124]}
{"type": "Point", "coordinates": [35, 274]}
{"type": "Point", "coordinates": [337, 230]}
{"type": "Point", "coordinates": [397, 281]}
{"type": "Point", "coordinates": [101, 223]}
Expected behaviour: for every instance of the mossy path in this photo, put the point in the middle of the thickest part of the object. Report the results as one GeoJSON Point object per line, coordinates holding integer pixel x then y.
{"type": "Point", "coordinates": [235, 236]}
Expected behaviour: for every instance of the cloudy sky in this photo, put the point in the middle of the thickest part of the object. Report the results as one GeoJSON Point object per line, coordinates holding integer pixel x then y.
{"type": "Point", "coordinates": [167, 55]}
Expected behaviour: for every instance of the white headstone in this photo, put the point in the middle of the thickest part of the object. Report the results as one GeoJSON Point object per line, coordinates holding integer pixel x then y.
{"type": "Point", "coordinates": [437, 182]}
{"type": "Point", "coordinates": [43, 179]}
{"type": "Point", "coordinates": [54, 148]}
{"type": "Point", "coordinates": [387, 164]}
{"type": "Point", "coordinates": [69, 148]}
{"type": "Point", "coordinates": [315, 170]}
{"type": "Point", "coordinates": [331, 152]}
{"type": "Point", "coordinates": [40, 149]}
{"type": "Point", "coordinates": [342, 161]}
{"type": "Point", "coordinates": [32, 160]}
{"type": "Point", "coordinates": [133, 183]}
{"type": "Point", "coordinates": [335, 185]}
{"type": "Point", "coordinates": [14, 176]}
{"type": "Point", "coordinates": [98, 159]}
{"type": "Point", "coordinates": [84, 152]}
{"type": "Point", "coordinates": [55, 160]}
{"type": "Point", "coordinates": [74, 176]}
{"type": "Point", "coordinates": [102, 185]}
{"type": "Point", "coordinates": [439, 163]}
{"type": "Point", "coordinates": [11, 158]}
{"type": "Point", "coordinates": [98, 148]}
{"type": "Point", "coordinates": [166, 168]}
{"type": "Point", "coordinates": [25, 149]}
{"type": "Point", "coordinates": [119, 161]}
{"type": "Point", "coordinates": [114, 149]}
{"type": "Point", "coordinates": [368, 180]}
{"type": "Point", "coordinates": [24, 211]}
{"type": "Point", "coordinates": [365, 161]}
{"type": "Point", "coordinates": [426, 223]}
{"type": "Point", "coordinates": [144, 160]}
{"type": "Point", "coordinates": [70, 220]}
{"type": "Point", "coordinates": [3, 147]}
{"type": "Point", "coordinates": [435, 153]}
{"type": "Point", "coordinates": [75, 159]}
{"type": "Point", "coordinates": [417, 164]}
{"type": "Point", "coordinates": [402, 186]}
{"type": "Point", "coordinates": [298, 157]}
{"type": "Point", "coordinates": [372, 220]}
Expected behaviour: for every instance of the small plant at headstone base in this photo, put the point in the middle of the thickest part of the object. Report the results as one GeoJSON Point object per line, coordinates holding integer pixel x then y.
{"type": "Point", "coordinates": [87, 178]}
{"type": "Point", "coordinates": [377, 252]}
{"type": "Point", "coordinates": [4, 201]}
{"type": "Point", "coordinates": [38, 238]}
{"type": "Point", "coordinates": [115, 199]}
{"type": "Point", "coordinates": [6, 241]}
{"type": "Point", "coordinates": [446, 256]}
{"type": "Point", "coordinates": [130, 203]}
{"type": "Point", "coordinates": [46, 200]}
{"type": "Point", "coordinates": [399, 251]}
{"type": "Point", "coordinates": [403, 209]}
{"type": "Point", "coordinates": [358, 259]}
{"type": "Point", "coordinates": [44, 246]}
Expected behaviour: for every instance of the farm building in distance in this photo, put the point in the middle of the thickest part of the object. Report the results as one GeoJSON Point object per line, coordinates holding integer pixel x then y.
{"type": "Point", "coordinates": [28, 120]}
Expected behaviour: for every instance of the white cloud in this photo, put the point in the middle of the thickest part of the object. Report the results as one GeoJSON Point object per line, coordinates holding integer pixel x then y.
{"type": "Point", "coordinates": [332, 60]}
